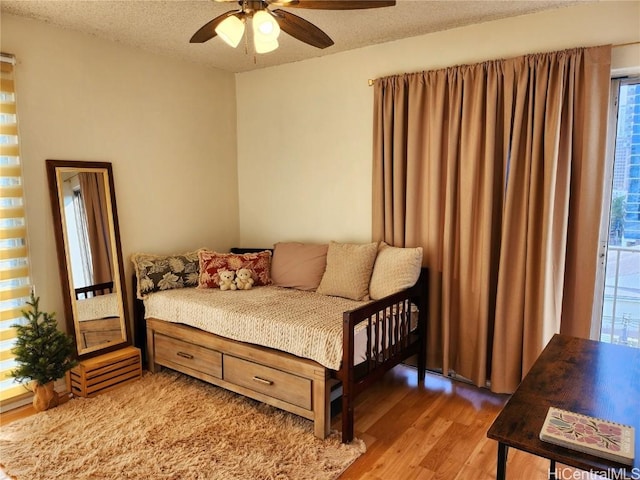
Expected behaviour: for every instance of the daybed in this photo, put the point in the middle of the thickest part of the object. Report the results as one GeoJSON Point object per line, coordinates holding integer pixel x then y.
{"type": "Point", "coordinates": [288, 347]}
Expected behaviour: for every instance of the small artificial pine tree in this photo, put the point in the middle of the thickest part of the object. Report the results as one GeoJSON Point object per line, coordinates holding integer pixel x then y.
{"type": "Point", "coordinates": [43, 352]}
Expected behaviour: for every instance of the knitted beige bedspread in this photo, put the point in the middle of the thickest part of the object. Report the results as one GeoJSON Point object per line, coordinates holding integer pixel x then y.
{"type": "Point", "coordinates": [302, 323]}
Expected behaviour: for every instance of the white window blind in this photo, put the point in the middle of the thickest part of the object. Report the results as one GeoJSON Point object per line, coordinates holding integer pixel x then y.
{"type": "Point", "coordinates": [15, 285]}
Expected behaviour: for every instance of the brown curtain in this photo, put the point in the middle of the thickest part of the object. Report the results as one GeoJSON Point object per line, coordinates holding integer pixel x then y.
{"type": "Point", "coordinates": [496, 170]}
{"type": "Point", "coordinates": [94, 196]}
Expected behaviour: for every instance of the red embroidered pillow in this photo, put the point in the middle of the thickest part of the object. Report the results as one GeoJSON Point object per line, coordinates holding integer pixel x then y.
{"type": "Point", "coordinates": [213, 262]}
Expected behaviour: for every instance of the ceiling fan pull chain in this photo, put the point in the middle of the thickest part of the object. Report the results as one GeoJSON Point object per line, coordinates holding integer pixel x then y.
{"type": "Point", "coordinates": [246, 45]}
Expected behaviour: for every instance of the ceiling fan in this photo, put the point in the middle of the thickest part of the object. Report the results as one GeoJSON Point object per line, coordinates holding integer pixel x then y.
{"type": "Point", "coordinates": [267, 23]}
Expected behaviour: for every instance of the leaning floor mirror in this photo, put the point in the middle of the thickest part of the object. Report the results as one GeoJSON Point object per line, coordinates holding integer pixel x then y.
{"type": "Point", "coordinates": [85, 221]}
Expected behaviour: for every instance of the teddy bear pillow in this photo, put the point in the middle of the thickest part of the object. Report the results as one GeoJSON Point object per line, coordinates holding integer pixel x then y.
{"type": "Point", "coordinates": [212, 263]}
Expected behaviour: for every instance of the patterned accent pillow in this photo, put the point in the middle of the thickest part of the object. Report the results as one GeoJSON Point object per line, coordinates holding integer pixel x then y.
{"type": "Point", "coordinates": [348, 270]}
{"type": "Point", "coordinates": [396, 269]}
{"type": "Point", "coordinates": [212, 262]}
{"type": "Point", "coordinates": [165, 272]}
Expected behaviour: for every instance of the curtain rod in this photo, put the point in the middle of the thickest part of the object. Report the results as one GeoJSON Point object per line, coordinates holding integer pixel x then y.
{"type": "Point", "coordinates": [371, 81]}
{"type": "Point", "coordinates": [624, 44]}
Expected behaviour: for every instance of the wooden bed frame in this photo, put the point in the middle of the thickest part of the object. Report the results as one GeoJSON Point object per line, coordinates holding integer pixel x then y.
{"type": "Point", "coordinates": [295, 384]}
{"type": "Point", "coordinates": [94, 290]}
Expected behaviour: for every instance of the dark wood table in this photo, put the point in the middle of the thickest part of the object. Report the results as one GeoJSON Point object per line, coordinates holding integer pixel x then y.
{"type": "Point", "coordinates": [584, 376]}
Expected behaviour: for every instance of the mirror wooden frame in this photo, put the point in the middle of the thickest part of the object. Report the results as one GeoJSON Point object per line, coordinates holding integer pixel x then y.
{"type": "Point", "coordinates": [55, 168]}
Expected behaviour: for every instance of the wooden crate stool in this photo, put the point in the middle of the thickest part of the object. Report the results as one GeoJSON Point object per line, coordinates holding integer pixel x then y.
{"type": "Point", "coordinates": [105, 372]}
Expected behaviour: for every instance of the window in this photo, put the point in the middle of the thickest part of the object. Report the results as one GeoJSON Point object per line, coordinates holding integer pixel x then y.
{"type": "Point", "coordinates": [15, 285]}
{"type": "Point", "coordinates": [78, 235]}
{"type": "Point", "coordinates": [619, 321]}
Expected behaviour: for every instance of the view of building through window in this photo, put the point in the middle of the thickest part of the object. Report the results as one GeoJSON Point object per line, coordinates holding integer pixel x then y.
{"type": "Point", "coordinates": [621, 305]}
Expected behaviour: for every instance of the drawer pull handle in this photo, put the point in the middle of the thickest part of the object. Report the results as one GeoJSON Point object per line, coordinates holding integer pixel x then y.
{"type": "Point", "coordinates": [185, 355]}
{"type": "Point", "coordinates": [262, 380]}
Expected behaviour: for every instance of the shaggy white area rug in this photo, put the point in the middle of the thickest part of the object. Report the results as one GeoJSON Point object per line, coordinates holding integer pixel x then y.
{"type": "Point", "coordinates": [171, 427]}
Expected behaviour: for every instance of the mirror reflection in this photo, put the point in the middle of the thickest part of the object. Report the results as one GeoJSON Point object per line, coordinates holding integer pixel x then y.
{"type": "Point", "coordinates": [90, 257]}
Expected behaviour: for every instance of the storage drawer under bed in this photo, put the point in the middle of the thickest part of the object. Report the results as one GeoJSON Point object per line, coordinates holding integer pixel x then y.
{"type": "Point", "coordinates": [269, 381]}
{"type": "Point", "coordinates": [171, 351]}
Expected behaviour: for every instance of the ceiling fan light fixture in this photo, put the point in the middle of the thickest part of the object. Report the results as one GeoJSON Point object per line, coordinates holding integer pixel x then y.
{"type": "Point", "coordinates": [265, 32]}
{"type": "Point", "coordinates": [265, 46]}
{"type": "Point", "coordinates": [231, 30]}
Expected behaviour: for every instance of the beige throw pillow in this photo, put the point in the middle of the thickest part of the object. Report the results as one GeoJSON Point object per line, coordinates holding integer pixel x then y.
{"type": "Point", "coordinates": [348, 271]}
{"type": "Point", "coordinates": [396, 269]}
{"type": "Point", "coordinates": [298, 265]}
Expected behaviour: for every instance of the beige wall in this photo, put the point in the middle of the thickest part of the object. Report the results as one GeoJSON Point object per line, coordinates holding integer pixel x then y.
{"type": "Point", "coordinates": [168, 128]}
{"type": "Point", "coordinates": [304, 136]}
{"type": "Point", "coordinates": [304, 130]}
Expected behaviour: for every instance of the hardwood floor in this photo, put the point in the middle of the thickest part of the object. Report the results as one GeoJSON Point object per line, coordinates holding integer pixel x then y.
{"type": "Point", "coordinates": [25, 411]}
{"type": "Point", "coordinates": [436, 430]}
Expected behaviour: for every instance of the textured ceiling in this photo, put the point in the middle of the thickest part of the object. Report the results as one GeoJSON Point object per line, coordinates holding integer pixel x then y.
{"type": "Point", "coordinates": [165, 26]}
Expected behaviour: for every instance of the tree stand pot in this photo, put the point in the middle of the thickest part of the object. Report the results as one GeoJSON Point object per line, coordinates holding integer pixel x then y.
{"type": "Point", "coordinates": [44, 396]}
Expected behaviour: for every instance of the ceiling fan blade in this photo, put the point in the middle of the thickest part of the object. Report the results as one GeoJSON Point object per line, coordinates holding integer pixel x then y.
{"type": "Point", "coordinates": [301, 29]}
{"type": "Point", "coordinates": [283, 3]}
{"type": "Point", "coordinates": [208, 30]}
{"type": "Point", "coordinates": [342, 4]}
